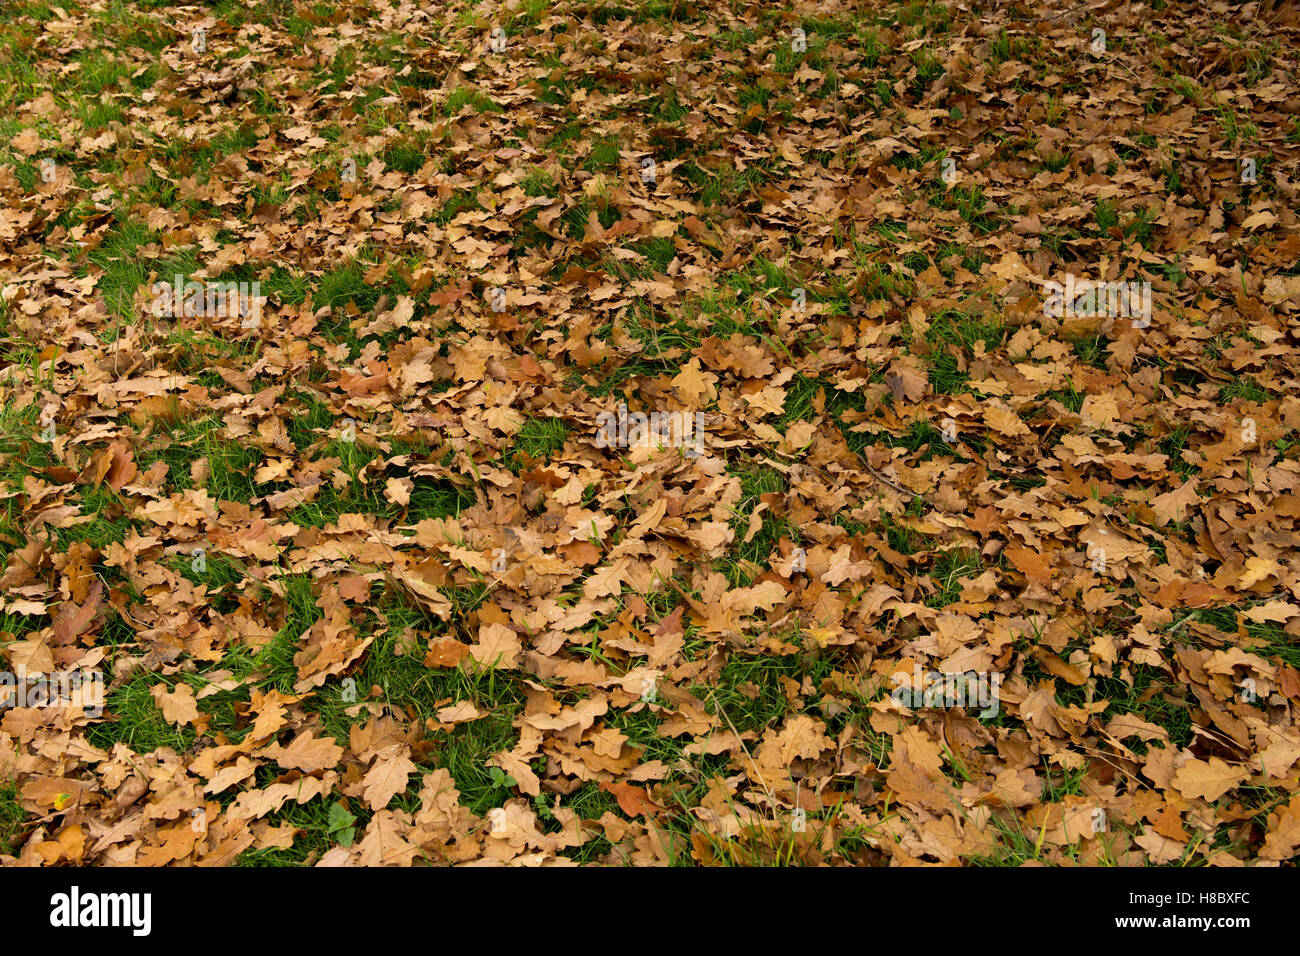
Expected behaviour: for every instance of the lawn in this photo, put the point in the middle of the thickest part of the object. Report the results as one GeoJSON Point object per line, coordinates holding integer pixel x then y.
{"type": "Point", "coordinates": [642, 434]}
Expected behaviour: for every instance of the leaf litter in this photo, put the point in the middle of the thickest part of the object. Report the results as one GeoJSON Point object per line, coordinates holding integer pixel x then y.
{"type": "Point", "coordinates": [681, 433]}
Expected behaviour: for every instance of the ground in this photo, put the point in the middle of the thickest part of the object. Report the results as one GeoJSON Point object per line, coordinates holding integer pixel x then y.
{"type": "Point", "coordinates": [370, 576]}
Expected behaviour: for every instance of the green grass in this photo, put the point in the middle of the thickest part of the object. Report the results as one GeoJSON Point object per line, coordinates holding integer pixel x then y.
{"type": "Point", "coordinates": [464, 99]}
{"type": "Point", "coordinates": [405, 157]}
{"type": "Point", "coordinates": [132, 718]}
{"type": "Point", "coordinates": [230, 464]}
{"type": "Point", "coordinates": [125, 269]}
{"type": "Point", "coordinates": [747, 559]}
{"type": "Point", "coordinates": [539, 439]}
{"type": "Point", "coordinates": [953, 338]}
{"type": "Point", "coordinates": [1246, 388]}
{"type": "Point", "coordinates": [313, 819]}
{"type": "Point", "coordinates": [13, 819]}
{"type": "Point", "coordinates": [1105, 215]}
{"type": "Point", "coordinates": [749, 689]}
{"type": "Point", "coordinates": [949, 571]}
{"type": "Point", "coordinates": [346, 284]}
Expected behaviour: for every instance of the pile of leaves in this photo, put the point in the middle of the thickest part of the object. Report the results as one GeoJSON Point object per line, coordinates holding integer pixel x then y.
{"type": "Point", "coordinates": [368, 587]}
